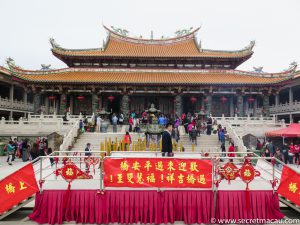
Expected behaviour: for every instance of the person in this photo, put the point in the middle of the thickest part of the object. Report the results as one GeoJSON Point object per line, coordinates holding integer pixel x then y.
{"type": "Point", "coordinates": [291, 153]}
{"type": "Point", "coordinates": [127, 141]}
{"type": "Point", "coordinates": [98, 124]}
{"type": "Point", "coordinates": [42, 147]}
{"type": "Point", "coordinates": [278, 155]}
{"type": "Point", "coordinates": [121, 118]}
{"type": "Point", "coordinates": [130, 124]}
{"type": "Point", "coordinates": [297, 151]}
{"type": "Point", "coordinates": [271, 147]}
{"type": "Point", "coordinates": [25, 147]}
{"type": "Point", "coordinates": [285, 152]}
{"type": "Point", "coordinates": [114, 122]}
{"type": "Point", "coordinates": [49, 152]}
{"type": "Point", "coordinates": [88, 152]}
{"type": "Point", "coordinates": [15, 144]}
{"type": "Point", "coordinates": [10, 152]}
{"type": "Point", "coordinates": [223, 149]}
{"type": "Point", "coordinates": [167, 141]}
{"type": "Point", "coordinates": [267, 153]}
{"type": "Point", "coordinates": [194, 135]}
{"type": "Point", "coordinates": [222, 136]}
{"type": "Point", "coordinates": [231, 149]}
{"type": "Point", "coordinates": [81, 126]}
{"type": "Point", "coordinates": [209, 125]}
{"type": "Point", "coordinates": [34, 151]}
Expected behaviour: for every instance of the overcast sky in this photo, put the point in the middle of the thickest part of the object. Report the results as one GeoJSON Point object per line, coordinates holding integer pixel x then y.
{"type": "Point", "coordinates": [27, 25]}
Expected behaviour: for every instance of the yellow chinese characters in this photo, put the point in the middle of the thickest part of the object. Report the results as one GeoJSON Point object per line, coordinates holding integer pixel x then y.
{"type": "Point", "coordinates": [201, 179]}
{"type": "Point", "coordinates": [10, 189]}
{"type": "Point", "coordinates": [170, 178]}
{"type": "Point", "coordinates": [194, 167]}
{"type": "Point", "coordinates": [159, 166]}
{"type": "Point", "coordinates": [191, 179]}
{"type": "Point", "coordinates": [22, 185]}
{"type": "Point", "coordinates": [182, 166]}
{"type": "Point", "coordinates": [69, 172]}
{"type": "Point", "coordinates": [136, 166]}
{"type": "Point", "coordinates": [140, 179]}
{"type": "Point", "coordinates": [151, 178]}
{"type": "Point", "coordinates": [130, 177]}
{"type": "Point", "coordinates": [293, 187]}
{"type": "Point", "coordinates": [247, 173]}
{"type": "Point", "coordinates": [148, 165]}
{"type": "Point", "coordinates": [120, 178]}
{"type": "Point", "coordinates": [180, 179]}
{"type": "Point", "coordinates": [124, 166]}
{"type": "Point", "coordinates": [170, 166]}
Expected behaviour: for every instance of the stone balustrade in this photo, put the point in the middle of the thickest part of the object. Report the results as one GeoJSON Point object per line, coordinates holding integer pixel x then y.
{"type": "Point", "coordinates": [285, 108]}
{"type": "Point", "coordinates": [15, 105]}
{"type": "Point", "coordinates": [246, 120]}
{"type": "Point", "coordinates": [33, 127]}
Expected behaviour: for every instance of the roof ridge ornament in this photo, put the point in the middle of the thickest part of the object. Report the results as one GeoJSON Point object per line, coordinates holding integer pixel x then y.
{"type": "Point", "coordinates": [183, 32]}
{"type": "Point", "coordinates": [54, 43]}
{"type": "Point", "coordinates": [120, 31]}
{"type": "Point", "coordinates": [258, 69]}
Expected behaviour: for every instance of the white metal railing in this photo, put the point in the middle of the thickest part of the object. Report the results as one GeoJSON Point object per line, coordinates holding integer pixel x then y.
{"type": "Point", "coordinates": [285, 108]}
{"type": "Point", "coordinates": [70, 137]}
{"type": "Point", "coordinates": [15, 105]}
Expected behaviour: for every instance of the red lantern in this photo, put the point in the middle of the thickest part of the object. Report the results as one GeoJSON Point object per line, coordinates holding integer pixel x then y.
{"type": "Point", "coordinates": [193, 99]}
{"type": "Point", "coordinates": [52, 98]}
{"type": "Point", "coordinates": [80, 98]}
{"type": "Point", "coordinates": [111, 98]}
{"type": "Point", "coordinates": [223, 99]}
{"type": "Point", "coordinates": [251, 100]}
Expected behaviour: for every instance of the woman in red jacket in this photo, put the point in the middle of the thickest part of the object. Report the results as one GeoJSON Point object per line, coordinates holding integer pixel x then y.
{"type": "Point", "coordinates": [231, 149]}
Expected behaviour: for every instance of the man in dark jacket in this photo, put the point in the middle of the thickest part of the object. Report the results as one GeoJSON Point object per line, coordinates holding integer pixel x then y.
{"type": "Point", "coordinates": [167, 141]}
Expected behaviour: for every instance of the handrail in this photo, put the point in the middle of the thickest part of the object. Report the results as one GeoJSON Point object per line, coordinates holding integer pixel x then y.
{"type": "Point", "coordinates": [69, 138]}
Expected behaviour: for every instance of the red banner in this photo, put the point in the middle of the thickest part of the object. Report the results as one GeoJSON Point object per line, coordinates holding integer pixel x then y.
{"type": "Point", "coordinates": [17, 187]}
{"type": "Point", "coordinates": [290, 185]}
{"type": "Point", "coordinates": [162, 172]}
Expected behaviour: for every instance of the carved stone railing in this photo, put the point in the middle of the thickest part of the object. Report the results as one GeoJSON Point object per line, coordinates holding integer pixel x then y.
{"type": "Point", "coordinates": [246, 120]}
{"type": "Point", "coordinates": [237, 140]}
{"type": "Point", "coordinates": [285, 108]}
{"type": "Point", "coordinates": [15, 105]}
{"type": "Point", "coordinates": [69, 138]}
{"type": "Point", "coordinates": [33, 127]}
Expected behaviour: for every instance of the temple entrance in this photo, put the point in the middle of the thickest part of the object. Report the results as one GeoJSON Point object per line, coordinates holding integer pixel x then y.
{"type": "Point", "coordinates": [114, 105]}
{"type": "Point", "coordinates": [165, 104]}
{"type": "Point", "coordinates": [218, 108]}
{"type": "Point", "coordinates": [84, 106]}
{"type": "Point", "coordinates": [191, 107]}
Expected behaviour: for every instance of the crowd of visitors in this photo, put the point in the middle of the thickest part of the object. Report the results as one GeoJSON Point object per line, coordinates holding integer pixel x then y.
{"type": "Point", "coordinates": [24, 150]}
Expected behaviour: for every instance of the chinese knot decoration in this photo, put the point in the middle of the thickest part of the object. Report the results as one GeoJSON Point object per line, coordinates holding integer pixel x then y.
{"type": "Point", "coordinates": [248, 173]}
{"type": "Point", "coordinates": [70, 172]}
{"type": "Point", "coordinates": [91, 161]}
{"type": "Point", "coordinates": [229, 172]}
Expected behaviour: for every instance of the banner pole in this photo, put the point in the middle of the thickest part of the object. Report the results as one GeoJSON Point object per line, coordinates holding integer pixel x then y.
{"type": "Point", "coordinates": [41, 175]}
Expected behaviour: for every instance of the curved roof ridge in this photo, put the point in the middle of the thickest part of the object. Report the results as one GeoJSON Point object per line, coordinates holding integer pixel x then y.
{"type": "Point", "coordinates": [248, 48]}
{"type": "Point", "coordinates": [176, 39]}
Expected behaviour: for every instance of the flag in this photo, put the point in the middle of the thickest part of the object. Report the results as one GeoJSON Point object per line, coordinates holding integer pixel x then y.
{"type": "Point", "coordinates": [290, 185]}
{"type": "Point", "coordinates": [17, 187]}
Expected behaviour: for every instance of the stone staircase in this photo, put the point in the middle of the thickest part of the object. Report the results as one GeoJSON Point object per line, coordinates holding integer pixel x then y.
{"type": "Point", "coordinates": [205, 143]}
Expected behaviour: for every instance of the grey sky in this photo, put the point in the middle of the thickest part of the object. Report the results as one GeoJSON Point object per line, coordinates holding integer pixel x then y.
{"type": "Point", "coordinates": [27, 25]}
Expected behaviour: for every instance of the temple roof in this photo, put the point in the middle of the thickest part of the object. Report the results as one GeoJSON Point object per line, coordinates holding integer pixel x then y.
{"type": "Point", "coordinates": [151, 77]}
{"type": "Point", "coordinates": [119, 45]}
{"type": "Point", "coordinates": [4, 70]}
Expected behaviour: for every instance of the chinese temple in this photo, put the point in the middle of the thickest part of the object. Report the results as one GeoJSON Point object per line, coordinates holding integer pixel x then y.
{"type": "Point", "coordinates": [129, 74]}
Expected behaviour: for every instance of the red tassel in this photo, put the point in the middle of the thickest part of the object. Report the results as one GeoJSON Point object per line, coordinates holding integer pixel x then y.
{"type": "Point", "coordinates": [248, 197]}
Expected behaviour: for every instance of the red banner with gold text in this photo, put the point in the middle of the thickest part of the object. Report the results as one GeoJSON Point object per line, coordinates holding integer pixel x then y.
{"type": "Point", "coordinates": [290, 185]}
{"type": "Point", "coordinates": [17, 187]}
{"type": "Point", "coordinates": [161, 172]}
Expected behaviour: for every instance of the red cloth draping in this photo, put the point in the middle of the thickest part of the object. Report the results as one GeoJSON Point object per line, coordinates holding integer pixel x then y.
{"type": "Point", "coordinates": [233, 205]}
{"type": "Point", "coordinates": [293, 130]}
{"type": "Point", "coordinates": [86, 206]}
